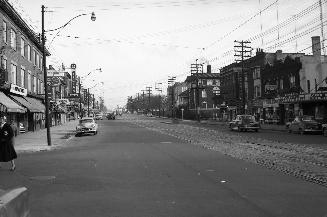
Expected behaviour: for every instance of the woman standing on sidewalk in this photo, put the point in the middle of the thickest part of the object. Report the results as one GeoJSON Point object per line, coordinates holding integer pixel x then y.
{"type": "Point", "coordinates": [7, 150]}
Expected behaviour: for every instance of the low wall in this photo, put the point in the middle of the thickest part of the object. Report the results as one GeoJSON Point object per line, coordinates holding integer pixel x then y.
{"type": "Point", "coordinates": [14, 203]}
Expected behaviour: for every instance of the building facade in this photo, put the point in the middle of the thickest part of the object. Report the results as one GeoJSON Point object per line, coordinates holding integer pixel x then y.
{"type": "Point", "coordinates": [21, 75]}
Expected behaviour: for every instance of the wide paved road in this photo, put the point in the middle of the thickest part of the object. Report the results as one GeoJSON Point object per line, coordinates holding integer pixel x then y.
{"type": "Point", "coordinates": [127, 170]}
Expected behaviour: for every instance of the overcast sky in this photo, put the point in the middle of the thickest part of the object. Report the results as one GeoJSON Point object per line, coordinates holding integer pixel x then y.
{"type": "Point", "coordinates": [138, 43]}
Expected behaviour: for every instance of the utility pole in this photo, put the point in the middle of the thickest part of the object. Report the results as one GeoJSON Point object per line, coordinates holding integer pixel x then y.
{"type": "Point", "coordinates": [143, 97]}
{"type": "Point", "coordinates": [149, 90]}
{"type": "Point", "coordinates": [195, 70]}
{"type": "Point", "coordinates": [242, 51]}
{"type": "Point", "coordinates": [171, 80]}
{"type": "Point", "coordinates": [88, 102]}
{"type": "Point", "coordinates": [80, 99]}
{"type": "Point", "coordinates": [47, 118]}
{"type": "Point", "coordinates": [159, 90]}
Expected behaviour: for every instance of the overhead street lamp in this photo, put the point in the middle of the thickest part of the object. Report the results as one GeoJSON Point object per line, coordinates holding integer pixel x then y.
{"type": "Point", "coordinates": [47, 121]}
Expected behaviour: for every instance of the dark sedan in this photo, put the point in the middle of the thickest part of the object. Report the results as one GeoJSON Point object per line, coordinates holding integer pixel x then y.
{"type": "Point", "coordinates": [305, 124]}
{"type": "Point", "coordinates": [244, 123]}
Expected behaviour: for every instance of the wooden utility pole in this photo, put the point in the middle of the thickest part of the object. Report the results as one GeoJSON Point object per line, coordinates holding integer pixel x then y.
{"type": "Point", "coordinates": [171, 80]}
{"type": "Point", "coordinates": [195, 69]}
{"type": "Point", "coordinates": [149, 90]}
{"type": "Point", "coordinates": [242, 51]}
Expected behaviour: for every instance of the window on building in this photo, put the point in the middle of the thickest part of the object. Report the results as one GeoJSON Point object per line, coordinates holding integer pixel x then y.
{"type": "Point", "coordinates": [4, 62]}
{"type": "Point", "coordinates": [37, 60]}
{"type": "Point", "coordinates": [281, 84]}
{"type": "Point", "coordinates": [257, 91]}
{"type": "Point", "coordinates": [34, 84]}
{"type": "Point", "coordinates": [29, 81]}
{"type": "Point", "coordinates": [34, 57]}
{"type": "Point", "coordinates": [292, 81]}
{"type": "Point", "coordinates": [22, 77]}
{"type": "Point", "coordinates": [29, 53]}
{"type": "Point", "coordinates": [308, 85]}
{"type": "Point", "coordinates": [4, 25]}
{"type": "Point", "coordinates": [204, 82]}
{"type": "Point", "coordinates": [204, 94]}
{"type": "Point", "coordinates": [13, 39]}
{"type": "Point", "coordinates": [42, 87]}
{"type": "Point", "coordinates": [13, 74]}
{"type": "Point", "coordinates": [41, 63]}
{"type": "Point", "coordinates": [39, 86]}
{"type": "Point", "coordinates": [22, 47]}
{"type": "Point", "coordinates": [256, 73]}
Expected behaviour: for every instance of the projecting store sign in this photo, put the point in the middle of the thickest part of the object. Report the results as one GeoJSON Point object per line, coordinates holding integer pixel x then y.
{"type": "Point", "coordinates": [18, 90]}
{"type": "Point", "coordinates": [74, 82]}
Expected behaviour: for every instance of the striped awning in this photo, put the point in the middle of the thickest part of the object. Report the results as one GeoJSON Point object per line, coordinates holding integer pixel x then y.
{"type": "Point", "coordinates": [36, 103]}
{"type": "Point", "coordinates": [8, 105]}
{"type": "Point", "coordinates": [21, 100]}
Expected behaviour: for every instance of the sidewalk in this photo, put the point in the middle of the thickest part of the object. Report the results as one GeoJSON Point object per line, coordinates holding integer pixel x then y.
{"type": "Point", "coordinates": [37, 141]}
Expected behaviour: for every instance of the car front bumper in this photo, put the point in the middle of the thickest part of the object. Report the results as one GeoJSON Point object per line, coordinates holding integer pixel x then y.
{"type": "Point", "coordinates": [86, 130]}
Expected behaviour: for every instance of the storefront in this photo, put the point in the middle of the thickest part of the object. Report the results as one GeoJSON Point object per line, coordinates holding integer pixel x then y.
{"type": "Point", "coordinates": [313, 104]}
{"type": "Point", "coordinates": [271, 111]}
{"type": "Point", "coordinates": [38, 117]}
{"type": "Point", "coordinates": [15, 113]}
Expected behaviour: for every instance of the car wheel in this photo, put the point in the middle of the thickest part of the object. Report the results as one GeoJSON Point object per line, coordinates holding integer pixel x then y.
{"type": "Point", "coordinates": [256, 130]}
{"type": "Point", "coordinates": [239, 129]}
{"type": "Point", "coordinates": [77, 135]}
{"type": "Point", "coordinates": [301, 132]}
{"type": "Point", "coordinates": [324, 132]}
{"type": "Point", "coordinates": [289, 130]}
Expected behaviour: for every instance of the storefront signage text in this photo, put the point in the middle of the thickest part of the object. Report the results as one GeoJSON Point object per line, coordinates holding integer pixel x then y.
{"type": "Point", "coordinates": [18, 90]}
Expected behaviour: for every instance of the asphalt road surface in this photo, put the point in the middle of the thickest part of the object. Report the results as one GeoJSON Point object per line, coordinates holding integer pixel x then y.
{"type": "Point", "coordinates": [130, 171]}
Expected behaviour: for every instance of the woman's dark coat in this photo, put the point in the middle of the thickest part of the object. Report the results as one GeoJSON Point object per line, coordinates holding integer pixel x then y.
{"type": "Point", "coordinates": [7, 150]}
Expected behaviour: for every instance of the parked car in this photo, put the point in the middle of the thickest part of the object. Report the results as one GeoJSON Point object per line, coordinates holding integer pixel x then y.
{"type": "Point", "coordinates": [99, 117]}
{"type": "Point", "coordinates": [305, 124]}
{"type": "Point", "coordinates": [86, 126]}
{"type": "Point", "coordinates": [324, 129]}
{"type": "Point", "coordinates": [111, 116]}
{"type": "Point", "coordinates": [244, 123]}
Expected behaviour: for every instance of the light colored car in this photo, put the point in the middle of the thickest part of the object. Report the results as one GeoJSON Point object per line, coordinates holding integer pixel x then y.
{"type": "Point", "coordinates": [324, 129]}
{"type": "Point", "coordinates": [87, 126]}
{"type": "Point", "coordinates": [305, 124]}
{"type": "Point", "coordinates": [99, 117]}
{"type": "Point", "coordinates": [244, 123]}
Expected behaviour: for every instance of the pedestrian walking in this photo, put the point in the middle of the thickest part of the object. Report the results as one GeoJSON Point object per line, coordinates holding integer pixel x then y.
{"type": "Point", "coordinates": [7, 150]}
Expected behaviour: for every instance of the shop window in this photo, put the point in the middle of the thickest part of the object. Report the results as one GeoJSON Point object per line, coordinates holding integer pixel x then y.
{"type": "Point", "coordinates": [204, 94]}
{"type": "Point", "coordinates": [29, 81]}
{"type": "Point", "coordinates": [4, 62]}
{"type": "Point", "coordinates": [308, 86]}
{"type": "Point", "coordinates": [292, 81]}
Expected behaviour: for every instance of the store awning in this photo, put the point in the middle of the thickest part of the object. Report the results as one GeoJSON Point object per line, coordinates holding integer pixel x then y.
{"type": "Point", "coordinates": [8, 105]}
{"type": "Point", "coordinates": [36, 103]}
{"type": "Point", "coordinates": [25, 103]}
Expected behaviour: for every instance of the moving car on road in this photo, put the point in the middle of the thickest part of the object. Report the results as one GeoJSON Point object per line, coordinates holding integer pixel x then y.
{"type": "Point", "coordinates": [244, 123]}
{"type": "Point", "coordinates": [99, 117]}
{"type": "Point", "coordinates": [87, 126]}
{"type": "Point", "coordinates": [111, 116]}
{"type": "Point", "coordinates": [305, 124]}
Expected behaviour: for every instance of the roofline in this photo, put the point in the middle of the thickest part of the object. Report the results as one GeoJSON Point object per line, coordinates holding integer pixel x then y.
{"type": "Point", "coordinates": [18, 20]}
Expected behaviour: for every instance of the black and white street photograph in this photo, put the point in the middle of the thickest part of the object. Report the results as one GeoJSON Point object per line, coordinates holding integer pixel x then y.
{"type": "Point", "coordinates": [163, 108]}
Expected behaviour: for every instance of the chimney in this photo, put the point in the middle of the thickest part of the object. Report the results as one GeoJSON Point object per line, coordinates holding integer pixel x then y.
{"type": "Point", "coordinates": [279, 55]}
{"type": "Point", "coordinates": [208, 69]}
{"type": "Point", "coordinates": [316, 46]}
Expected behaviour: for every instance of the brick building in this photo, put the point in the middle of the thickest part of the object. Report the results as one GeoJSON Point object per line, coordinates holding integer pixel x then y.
{"type": "Point", "coordinates": [21, 74]}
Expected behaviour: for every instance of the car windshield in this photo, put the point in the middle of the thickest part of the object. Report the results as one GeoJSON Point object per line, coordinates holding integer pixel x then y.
{"type": "Point", "coordinates": [247, 118]}
{"type": "Point", "coordinates": [85, 121]}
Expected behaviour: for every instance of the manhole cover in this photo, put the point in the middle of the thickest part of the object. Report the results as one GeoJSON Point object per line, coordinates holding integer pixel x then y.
{"type": "Point", "coordinates": [43, 178]}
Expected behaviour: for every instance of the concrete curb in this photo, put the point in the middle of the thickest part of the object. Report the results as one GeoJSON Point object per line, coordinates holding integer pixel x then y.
{"type": "Point", "coordinates": [14, 203]}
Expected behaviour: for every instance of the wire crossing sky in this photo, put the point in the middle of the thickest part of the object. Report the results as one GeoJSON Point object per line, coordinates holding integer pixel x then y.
{"type": "Point", "coordinates": [138, 43]}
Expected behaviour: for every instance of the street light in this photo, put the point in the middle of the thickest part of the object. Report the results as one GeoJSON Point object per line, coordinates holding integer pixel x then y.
{"type": "Point", "coordinates": [47, 121]}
